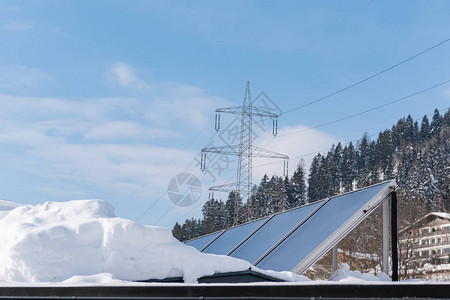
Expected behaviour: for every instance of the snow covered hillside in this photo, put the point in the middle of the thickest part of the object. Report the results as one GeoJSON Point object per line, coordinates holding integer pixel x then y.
{"type": "Point", "coordinates": [56, 241]}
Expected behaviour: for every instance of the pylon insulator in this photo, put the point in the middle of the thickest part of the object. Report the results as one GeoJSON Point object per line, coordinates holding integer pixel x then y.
{"type": "Point", "coordinates": [203, 162]}
{"type": "Point", "coordinates": [274, 127]}
{"type": "Point", "coordinates": [217, 123]}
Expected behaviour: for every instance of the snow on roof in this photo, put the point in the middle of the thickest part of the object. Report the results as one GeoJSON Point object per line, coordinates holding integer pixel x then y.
{"type": "Point", "coordinates": [440, 215]}
{"type": "Point", "coordinates": [345, 275]}
{"type": "Point", "coordinates": [55, 241]}
{"type": "Point", "coordinates": [431, 214]}
{"type": "Point", "coordinates": [83, 241]}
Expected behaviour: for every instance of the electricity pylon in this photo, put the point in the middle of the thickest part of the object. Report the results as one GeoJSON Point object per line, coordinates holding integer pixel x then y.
{"type": "Point", "coordinates": [245, 151]}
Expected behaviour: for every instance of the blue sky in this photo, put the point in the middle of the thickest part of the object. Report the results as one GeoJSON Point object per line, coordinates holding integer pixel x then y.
{"type": "Point", "coordinates": [111, 99]}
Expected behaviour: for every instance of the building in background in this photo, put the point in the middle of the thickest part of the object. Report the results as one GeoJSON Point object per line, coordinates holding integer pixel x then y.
{"type": "Point", "coordinates": [425, 247]}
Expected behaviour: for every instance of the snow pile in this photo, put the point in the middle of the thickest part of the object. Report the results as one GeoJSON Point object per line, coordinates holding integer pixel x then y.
{"type": "Point", "coordinates": [66, 241]}
{"type": "Point", "coordinates": [6, 205]}
{"type": "Point", "coordinates": [345, 275]}
{"type": "Point", "coordinates": [284, 275]}
{"type": "Point", "coordinates": [82, 241]}
{"type": "Point", "coordinates": [434, 268]}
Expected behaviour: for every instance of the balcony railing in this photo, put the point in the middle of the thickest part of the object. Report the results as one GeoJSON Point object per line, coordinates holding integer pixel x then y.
{"type": "Point", "coordinates": [434, 233]}
{"type": "Point", "coordinates": [442, 243]}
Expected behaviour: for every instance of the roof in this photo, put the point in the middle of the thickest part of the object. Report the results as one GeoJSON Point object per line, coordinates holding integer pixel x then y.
{"type": "Point", "coordinates": [247, 276]}
{"type": "Point", "coordinates": [440, 215]}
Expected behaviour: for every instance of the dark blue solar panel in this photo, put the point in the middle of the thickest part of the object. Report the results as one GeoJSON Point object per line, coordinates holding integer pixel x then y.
{"type": "Point", "coordinates": [232, 237]}
{"type": "Point", "coordinates": [271, 232]}
{"type": "Point", "coordinates": [318, 228]}
{"type": "Point", "coordinates": [201, 242]}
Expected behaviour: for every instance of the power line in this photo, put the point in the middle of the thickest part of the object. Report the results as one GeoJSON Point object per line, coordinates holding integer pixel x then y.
{"type": "Point", "coordinates": [368, 78]}
{"type": "Point", "coordinates": [368, 110]}
{"type": "Point", "coordinates": [361, 113]}
{"type": "Point", "coordinates": [343, 144]}
{"type": "Point", "coordinates": [360, 81]}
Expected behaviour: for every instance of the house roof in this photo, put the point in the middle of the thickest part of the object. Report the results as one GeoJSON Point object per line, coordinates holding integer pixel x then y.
{"type": "Point", "coordinates": [440, 215]}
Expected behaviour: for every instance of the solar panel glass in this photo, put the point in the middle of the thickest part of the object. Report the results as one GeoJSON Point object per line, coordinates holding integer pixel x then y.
{"type": "Point", "coordinates": [201, 242]}
{"type": "Point", "coordinates": [271, 232]}
{"type": "Point", "coordinates": [317, 229]}
{"type": "Point", "coordinates": [232, 237]}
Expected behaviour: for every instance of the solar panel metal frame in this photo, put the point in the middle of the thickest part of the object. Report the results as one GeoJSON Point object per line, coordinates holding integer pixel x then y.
{"type": "Point", "coordinates": [270, 218]}
{"type": "Point", "coordinates": [339, 233]}
{"type": "Point", "coordinates": [347, 227]}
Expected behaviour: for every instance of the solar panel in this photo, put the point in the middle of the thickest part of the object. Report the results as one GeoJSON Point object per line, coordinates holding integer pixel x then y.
{"type": "Point", "coordinates": [232, 237]}
{"type": "Point", "coordinates": [271, 232]}
{"type": "Point", "coordinates": [201, 242]}
{"type": "Point", "coordinates": [335, 218]}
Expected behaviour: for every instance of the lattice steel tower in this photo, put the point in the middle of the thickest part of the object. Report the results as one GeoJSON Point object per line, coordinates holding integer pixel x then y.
{"type": "Point", "coordinates": [245, 151]}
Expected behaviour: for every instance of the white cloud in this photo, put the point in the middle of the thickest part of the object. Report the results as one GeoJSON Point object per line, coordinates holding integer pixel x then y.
{"type": "Point", "coordinates": [169, 104]}
{"type": "Point", "coordinates": [15, 26]}
{"type": "Point", "coordinates": [126, 77]}
{"type": "Point", "coordinates": [112, 148]}
{"type": "Point", "coordinates": [114, 130]}
{"type": "Point", "coordinates": [126, 130]}
{"type": "Point", "coordinates": [87, 148]}
{"type": "Point", "coordinates": [306, 144]}
{"type": "Point", "coordinates": [185, 105]}
{"type": "Point", "coordinates": [19, 77]}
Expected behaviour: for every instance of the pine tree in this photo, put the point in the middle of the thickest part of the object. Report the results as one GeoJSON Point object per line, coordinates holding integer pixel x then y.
{"type": "Point", "coordinates": [425, 129]}
{"type": "Point", "coordinates": [436, 123]}
{"type": "Point", "coordinates": [384, 155]}
{"type": "Point", "coordinates": [262, 197]}
{"type": "Point", "coordinates": [315, 179]}
{"type": "Point", "coordinates": [364, 154]}
{"type": "Point", "coordinates": [230, 210]}
{"type": "Point", "coordinates": [279, 196]}
{"type": "Point", "coordinates": [177, 232]}
{"type": "Point", "coordinates": [365, 158]}
{"type": "Point", "coordinates": [446, 120]}
{"type": "Point", "coordinates": [336, 160]}
{"type": "Point", "coordinates": [348, 167]}
{"type": "Point", "coordinates": [298, 187]}
{"type": "Point", "coordinates": [213, 216]}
